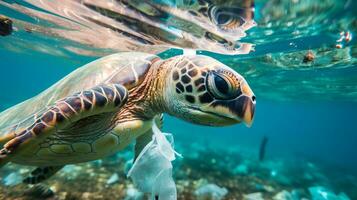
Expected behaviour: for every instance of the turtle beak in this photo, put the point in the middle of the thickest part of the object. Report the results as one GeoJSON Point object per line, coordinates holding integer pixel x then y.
{"type": "Point", "coordinates": [249, 109]}
{"type": "Point", "coordinates": [240, 109]}
{"type": "Point", "coordinates": [248, 101]}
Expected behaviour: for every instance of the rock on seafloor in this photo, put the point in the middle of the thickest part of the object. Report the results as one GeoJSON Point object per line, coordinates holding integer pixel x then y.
{"type": "Point", "coordinates": [284, 195]}
{"type": "Point", "coordinates": [253, 196]}
{"type": "Point", "coordinates": [211, 191]}
{"type": "Point", "coordinates": [39, 191]}
{"type": "Point", "coordinates": [322, 193]}
{"type": "Point", "coordinates": [241, 169]}
{"type": "Point", "coordinates": [97, 180]}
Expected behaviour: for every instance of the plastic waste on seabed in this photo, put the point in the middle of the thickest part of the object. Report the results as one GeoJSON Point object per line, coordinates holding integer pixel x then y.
{"type": "Point", "coordinates": [322, 193]}
{"type": "Point", "coordinates": [113, 179]}
{"type": "Point", "coordinates": [211, 191]}
{"type": "Point", "coordinates": [152, 170]}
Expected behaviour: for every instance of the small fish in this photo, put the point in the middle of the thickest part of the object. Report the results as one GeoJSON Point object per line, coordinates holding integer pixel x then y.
{"type": "Point", "coordinates": [262, 148]}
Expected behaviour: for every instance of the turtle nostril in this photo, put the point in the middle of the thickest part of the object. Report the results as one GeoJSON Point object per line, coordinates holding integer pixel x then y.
{"type": "Point", "coordinates": [253, 98]}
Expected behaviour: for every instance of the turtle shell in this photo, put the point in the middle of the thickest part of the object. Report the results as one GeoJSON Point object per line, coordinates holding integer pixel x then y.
{"type": "Point", "coordinates": [128, 69]}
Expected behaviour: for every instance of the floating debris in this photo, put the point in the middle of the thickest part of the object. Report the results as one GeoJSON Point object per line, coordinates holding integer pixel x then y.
{"type": "Point", "coordinates": [339, 46]}
{"type": "Point", "coordinates": [309, 57]}
{"type": "Point", "coordinates": [28, 29]}
{"type": "Point", "coordinates": [348, 36]}
{"type": "Point", "coordinates": [5, 25]}
{"type": "Point", "coordinates": [262, 148]}
{"type": "Point", "coordinates": [39, 191]}
{"type": "Point", "coordinates": [152, 169]}
{"type": "Point", "coordinates": [344, 36]}
{"type": "Point", "coordinates": [211, 191]}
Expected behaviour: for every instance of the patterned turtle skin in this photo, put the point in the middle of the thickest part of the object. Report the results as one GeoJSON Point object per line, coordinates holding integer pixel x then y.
{"type": "Point", "coordinates": [102, 107]}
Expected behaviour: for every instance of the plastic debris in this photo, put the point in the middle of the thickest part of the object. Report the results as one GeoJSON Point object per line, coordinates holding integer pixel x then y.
{"type": "Point", "coordinates": [152, 170]}
{"type": "Point", "coordinates": [12, 179]}
{"type": "Point", "coordinates": [133, 194]}
{"type": "Point", "coordinates": [345, 36]}
{"type": "Point", "coordinates": [211, 191]}
{"type": "Point", "coordinates": [322, 193]}
{"type": "Point", "coordinates": [348, 36]}
{"type": "Point", "coordinates": [113, 179]}
{"type": "Point", "coordinates": [342, 36]}
{"type": "Point", "coordinates": [339, 46]}
{"type": "Point", "coordinates": [253, 196]}
{"type": "Point", "coordinates": [5, 25]}
{"type": "Point", "coordinates": [128, 165]}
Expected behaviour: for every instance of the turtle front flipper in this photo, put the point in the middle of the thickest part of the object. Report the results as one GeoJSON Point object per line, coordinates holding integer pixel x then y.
{"type": "Point", "coordinates": [62, 114]}
{"type": "Point", "coordinates": [41, 173]}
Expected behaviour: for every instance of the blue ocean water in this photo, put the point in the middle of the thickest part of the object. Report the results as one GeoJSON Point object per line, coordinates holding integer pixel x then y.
{"type": "Point", "coordinates": [307, 111]}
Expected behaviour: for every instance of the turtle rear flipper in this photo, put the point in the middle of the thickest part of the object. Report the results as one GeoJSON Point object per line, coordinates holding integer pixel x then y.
{"type": "Point", "coordinates": [41, 173]}
{"type": "Point", "coordinates": [63, 113]}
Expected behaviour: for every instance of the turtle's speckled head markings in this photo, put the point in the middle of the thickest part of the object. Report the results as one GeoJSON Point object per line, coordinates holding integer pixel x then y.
{"type": "Point", "coordinates": [202, 90]}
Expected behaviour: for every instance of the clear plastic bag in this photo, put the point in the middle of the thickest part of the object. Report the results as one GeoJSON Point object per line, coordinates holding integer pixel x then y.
{"type": "Point", "coordinates": [152, 170]}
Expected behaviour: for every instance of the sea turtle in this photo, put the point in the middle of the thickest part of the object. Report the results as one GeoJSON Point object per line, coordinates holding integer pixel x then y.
{"type": "Point", "coordinates": [101, 107]}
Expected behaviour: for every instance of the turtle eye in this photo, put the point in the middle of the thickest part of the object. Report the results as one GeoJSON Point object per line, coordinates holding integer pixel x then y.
{"type": "Point", "coordinates": [227, 18]}
{"type": "Point", "coordinates": [220, 87]}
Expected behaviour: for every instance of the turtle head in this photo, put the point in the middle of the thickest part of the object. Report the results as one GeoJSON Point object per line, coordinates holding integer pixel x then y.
{"type": "Point", "coordinates": [202, 90]}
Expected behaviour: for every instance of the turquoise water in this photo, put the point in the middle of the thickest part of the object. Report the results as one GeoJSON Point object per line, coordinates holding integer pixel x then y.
{"type": "Point", "coordinates": [306, 110]}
